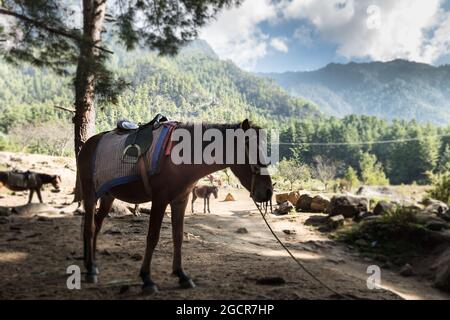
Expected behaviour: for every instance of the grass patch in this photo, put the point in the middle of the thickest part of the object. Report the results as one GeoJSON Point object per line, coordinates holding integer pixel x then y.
{"type": "Point", "coordinates": [397, 237]}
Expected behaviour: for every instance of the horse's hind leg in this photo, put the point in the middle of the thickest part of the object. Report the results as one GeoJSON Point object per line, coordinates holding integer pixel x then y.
{"type": "Point", "coordinates": [156, 218]}
{"type": "Point", "coordinates": [38, 192]}
{"type": "Point", "coordinates": [178, 207]}
{"type": "Point", "coordinates": [105, 207]}
{"type": "Point", "coordinates": [88, 237]}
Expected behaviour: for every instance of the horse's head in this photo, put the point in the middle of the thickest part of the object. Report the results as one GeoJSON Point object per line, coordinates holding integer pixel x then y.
{"type": "Point", "coordinates": [56, 182]}
{"type": "Point", "coordinates": [215, 190]}
{"type": "Point", "coordinates": [254, 176]}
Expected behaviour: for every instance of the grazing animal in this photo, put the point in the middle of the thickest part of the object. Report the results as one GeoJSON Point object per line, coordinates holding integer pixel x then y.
{"type": "Point", "coordinates": [32, 181]}
{"type": "Point", "coordinates": [203, 192]}
{"type": "Point", "coordinates": [171, 186]}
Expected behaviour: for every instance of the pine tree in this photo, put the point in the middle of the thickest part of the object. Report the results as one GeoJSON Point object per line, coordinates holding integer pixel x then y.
{"type": "Point", "coordinates": [44, 33]}
{"type": "Point", "coordinates": [371, 170]}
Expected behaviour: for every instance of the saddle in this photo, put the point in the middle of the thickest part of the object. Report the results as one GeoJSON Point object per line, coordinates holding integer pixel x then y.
{"type": "Point", "coordinates": [139, 140]}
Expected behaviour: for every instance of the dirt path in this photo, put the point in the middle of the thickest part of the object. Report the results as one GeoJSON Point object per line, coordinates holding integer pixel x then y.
{"type": "Point", "coordinates": [36, 250]}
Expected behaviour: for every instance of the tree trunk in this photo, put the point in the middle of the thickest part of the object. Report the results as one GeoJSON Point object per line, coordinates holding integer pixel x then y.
{"type": "Point", "coordinates": [84, 119]}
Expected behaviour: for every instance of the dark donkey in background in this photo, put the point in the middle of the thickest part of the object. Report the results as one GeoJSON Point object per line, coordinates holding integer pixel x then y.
{"type": "Point", "coordinates": [171, 186]}
{"type": "Point", "coordinates": [204, 192]}
{"type": "Point", "coordinates": [32, 181]}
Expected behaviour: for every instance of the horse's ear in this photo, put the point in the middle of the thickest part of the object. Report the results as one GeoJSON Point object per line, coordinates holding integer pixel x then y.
{"type": "Point", "coordinates": [245, 125]}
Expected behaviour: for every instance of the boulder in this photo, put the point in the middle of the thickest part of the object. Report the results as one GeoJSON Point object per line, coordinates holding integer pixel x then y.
{"type": "Point", "coordinates": [442, 267]}
{"type": "Point", "coordinates": [281, 197]}
{"type": "Point", "coordinates": [5, 211]}
{"type": "Point", "coordinates": [348, 206]}
{"type": "Point", "coordinates": [119, 209]}
{"type": "Point", "coordinates": [335, 222]}
{"type": "Point", "coordinates": [445, 216]}
{"type": "Point", "coordinates": [435, 206]}
{"type": "Point", "coordinates": [283, 208]}
{"type": "Point", "coordinates": [436, 225]}
{"type": "Point", "coordinates": [320, 204]}
{"type": "Point", "coordinates": [293, 197]}
{"type": "Point", "coordinates": [384, 207]}
{"type": "Point", "coordinates": [363, 216]}
{"type": "Point", "coordinates": [304, 203]}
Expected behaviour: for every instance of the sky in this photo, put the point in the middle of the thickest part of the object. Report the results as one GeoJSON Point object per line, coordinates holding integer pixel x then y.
{"type": "Point", "coordinates": [302, 35]}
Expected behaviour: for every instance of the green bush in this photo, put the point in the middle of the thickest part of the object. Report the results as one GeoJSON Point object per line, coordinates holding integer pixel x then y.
{"type": "Point", "coordinates": [441, 187]}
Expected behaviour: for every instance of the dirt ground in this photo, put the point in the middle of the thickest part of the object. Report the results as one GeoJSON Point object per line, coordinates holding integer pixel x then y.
{"type": "Point", "coordinates": [36, 249]}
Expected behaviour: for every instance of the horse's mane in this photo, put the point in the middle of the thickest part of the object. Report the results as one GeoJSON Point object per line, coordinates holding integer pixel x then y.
{"type": "Point", "coordinates": [222, 127]}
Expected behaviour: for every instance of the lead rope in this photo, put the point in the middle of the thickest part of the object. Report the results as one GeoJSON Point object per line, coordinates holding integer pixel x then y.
{"type": "Point", "coordinates": [292, 256]}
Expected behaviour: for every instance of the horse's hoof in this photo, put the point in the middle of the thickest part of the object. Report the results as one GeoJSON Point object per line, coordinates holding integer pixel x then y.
{"type": "Point", "coordinates": [91, 278]}
{"type": "Point", "coordinates": [150, 289]}
{"type": "Point", "coordinates": [187, 284]}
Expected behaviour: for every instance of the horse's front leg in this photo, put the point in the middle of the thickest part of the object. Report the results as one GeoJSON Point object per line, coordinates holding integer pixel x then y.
{"type": "Point", "coordinates": [30, 196]}
{"type": "Point", "coordinates": [178, 207]}
{"type": "Point", "coordinates": [207, 201]}
{"type": "Point", "coordinates": [156, 218]}
{"type": "Point", "coordinates": [204, 205]}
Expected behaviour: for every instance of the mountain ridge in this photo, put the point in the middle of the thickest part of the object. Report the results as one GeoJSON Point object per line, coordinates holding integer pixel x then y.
{"type": "Point", "coordinates": [397, 89]}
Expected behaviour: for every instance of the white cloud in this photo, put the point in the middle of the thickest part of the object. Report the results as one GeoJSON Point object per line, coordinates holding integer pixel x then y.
{"type": "Point", "coordinates": [279, 44]}
{"type": "Point", "coordinates": [236, 35]}
{"type": "Point", "coordinates": [417, 30]}
{"type": "Point", "coordinates": [409, 29]}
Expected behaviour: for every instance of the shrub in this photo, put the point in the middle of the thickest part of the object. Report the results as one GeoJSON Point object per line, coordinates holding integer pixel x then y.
{"type": "Point", "coordinates": [440, 187]}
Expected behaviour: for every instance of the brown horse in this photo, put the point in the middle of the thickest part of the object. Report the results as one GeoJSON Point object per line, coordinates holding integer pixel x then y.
{"type": "Point", "coordinates": [32, 181]}
{"type": "Point", "coordinates": [171, 186]}
{"type": "Point", "coordinates": [203, 192]}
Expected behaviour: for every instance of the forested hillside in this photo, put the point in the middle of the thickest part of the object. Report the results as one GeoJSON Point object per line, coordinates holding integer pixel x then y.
{"type": "Point", "coordinates": [392, 90]}
{"type": "Point", "coordinates": [196, 85]}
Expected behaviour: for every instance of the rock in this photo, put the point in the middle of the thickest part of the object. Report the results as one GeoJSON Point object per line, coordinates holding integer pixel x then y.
{"type": "Point", "coordinates": [304, 203]}
{"type": "Point", "coordinates": [435, 206]}
{"type": "Point", "coordinates": [361, 243]}
{"type": "Point", "coordinates": [320, 204]}
{"type": "Point", "coordinates": [136, 257]}
{"type": "Point", "coordinates": [4, 220]}
{"type": "Point", "coordinates": [4, 211]}
{"type": "Point", "coordinates": [124, 288]}
{"type": "Point", "coordinates": [406, 270]}
{"type": "Point", "coordinates": [384, 207]}
{"type": "Point", "coordinates": [284, 208]}
{"type": "Point", "coordinates": [293, 197]}
{"type": "Point", "coordinates": [348, 206]}
{"type": "Point", "coordinates": [335, 222]}
{"type": "Point", "coordinates": [445, 215]}
{"type": "Point", "coordinates": [281, 197]}
{"type": "Point", "coordinates": [363, 215]}
{"type": "Point", "coordinates": [113, 231]}
{"type": "Point", "coordinates": [436, 225]}
{"type": "Point", "coordinates": [289, 231]}
{"type": "Point", "coordinates": [317, 220]}
{"type": "Point", "coordinates": [119, 209]}
{"type": "Point", "coordinates": [271, 281]}
{"type": "Point", "coordinates": [242, 231]}
{"type": "Point", "coordinates": [229, 197]}
{"type": "Point", "coordinates": [442, 267]}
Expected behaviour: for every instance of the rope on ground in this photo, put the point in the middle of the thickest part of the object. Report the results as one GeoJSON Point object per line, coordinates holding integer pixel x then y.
{"type": "Point", "coordinates": [296, 260]}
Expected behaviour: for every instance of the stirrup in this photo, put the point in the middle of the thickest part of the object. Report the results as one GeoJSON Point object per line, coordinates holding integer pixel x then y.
{"type": "Point", "coordinates": [133, 159]}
